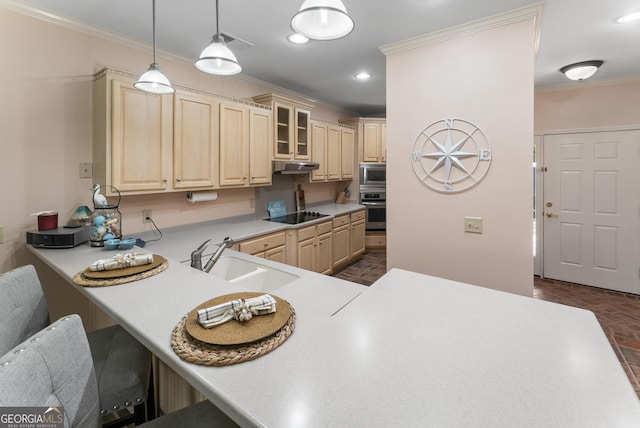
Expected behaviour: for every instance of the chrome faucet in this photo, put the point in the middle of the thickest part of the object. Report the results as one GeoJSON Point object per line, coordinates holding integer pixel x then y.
{"type": "Point", "coordinates": [196, 256]}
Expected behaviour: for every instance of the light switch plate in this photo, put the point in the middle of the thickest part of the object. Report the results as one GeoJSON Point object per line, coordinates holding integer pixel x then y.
{"type": "Point", "coordinates": [86, 170]}
{"type": "Point", "coordinates": [473, 224]}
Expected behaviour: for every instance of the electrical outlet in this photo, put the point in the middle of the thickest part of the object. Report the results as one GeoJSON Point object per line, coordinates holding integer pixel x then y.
{"type": "Point", "coordinates": [146, 214]}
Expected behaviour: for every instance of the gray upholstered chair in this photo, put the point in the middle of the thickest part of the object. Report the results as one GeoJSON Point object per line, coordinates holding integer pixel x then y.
{"type": "Point", "coordinates": [54, 369]}
{"type": "Point", "coordinates": [122, 365]}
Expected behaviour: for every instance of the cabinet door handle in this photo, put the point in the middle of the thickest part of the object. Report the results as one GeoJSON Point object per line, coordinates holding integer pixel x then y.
{"type": "Point", "coordinates": [178, 180]}
{"type": "Point", "coordinates": [164, 180]}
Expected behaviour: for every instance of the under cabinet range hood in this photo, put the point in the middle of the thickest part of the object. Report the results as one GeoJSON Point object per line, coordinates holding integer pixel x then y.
{"type": "Point", "coordinates": [294, 167]}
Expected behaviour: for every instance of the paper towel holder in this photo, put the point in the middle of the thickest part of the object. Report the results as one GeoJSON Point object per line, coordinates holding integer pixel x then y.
{"type": "Point", "coordinates": [202, 196]}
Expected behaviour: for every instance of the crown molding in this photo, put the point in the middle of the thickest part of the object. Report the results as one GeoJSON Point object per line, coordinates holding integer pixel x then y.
{"type": "Point", "coordinates": [86, 28]}
{"type": "Point", "coordinates": [533, 11]}
{"type": "Point", "coordinates": [588, 84]}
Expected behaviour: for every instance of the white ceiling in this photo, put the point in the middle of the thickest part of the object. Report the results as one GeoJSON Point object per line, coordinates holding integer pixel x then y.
{"type": "Point", "coordinates": [572, 31]}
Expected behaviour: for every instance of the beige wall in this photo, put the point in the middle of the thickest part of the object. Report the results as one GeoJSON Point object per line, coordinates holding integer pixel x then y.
{"type": "Point", "coordinates": [588, 105]}
{"type": "Point", "coordinates": [46, 124]}
{"type": "Point", "coordinates": [486, 78]}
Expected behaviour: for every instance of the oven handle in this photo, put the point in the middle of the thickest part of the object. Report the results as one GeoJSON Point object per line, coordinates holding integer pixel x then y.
{"type": "Point", "coordinates": [374, 203]}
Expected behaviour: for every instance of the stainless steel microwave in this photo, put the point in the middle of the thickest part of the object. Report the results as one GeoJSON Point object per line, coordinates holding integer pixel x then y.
{"type": "Point", "coordinates": [373, 175]}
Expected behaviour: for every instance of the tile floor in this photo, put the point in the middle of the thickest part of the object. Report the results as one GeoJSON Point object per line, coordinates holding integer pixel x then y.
{"type": "Point", "coordinates": [618, 313]}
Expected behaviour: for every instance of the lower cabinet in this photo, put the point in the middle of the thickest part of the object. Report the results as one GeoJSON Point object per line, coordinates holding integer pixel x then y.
{"type": "Point", "coordinates": [270, 247]}
{"type": "Point", "coordinates": [314, 248]}
{"type": "Point", "coordinates": [357, 232]}
{"type": "Point", "coordinates": [341, 238]}
{"type": "Point", "coordinates": [348, 238]}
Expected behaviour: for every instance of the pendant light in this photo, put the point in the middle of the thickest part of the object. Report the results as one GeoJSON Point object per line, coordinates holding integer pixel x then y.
{"type": "Point", "coordinates": [153, 80]}
{"type": "Point", "coordinates": [322, 20]}
{"type": "Point", "coordinates": [217, 58]}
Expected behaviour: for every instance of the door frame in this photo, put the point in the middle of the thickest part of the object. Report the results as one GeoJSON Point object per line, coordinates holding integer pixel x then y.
{"type": "Point", "coordinates": [538, 260]}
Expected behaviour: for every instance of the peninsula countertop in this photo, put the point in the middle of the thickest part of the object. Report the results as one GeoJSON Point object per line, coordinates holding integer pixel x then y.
{"type": "Point", "coordinates": [411, 350]}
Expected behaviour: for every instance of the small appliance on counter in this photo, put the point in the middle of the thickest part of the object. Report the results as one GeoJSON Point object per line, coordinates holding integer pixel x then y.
{"type": "Point", "coordinates": [60, 237]}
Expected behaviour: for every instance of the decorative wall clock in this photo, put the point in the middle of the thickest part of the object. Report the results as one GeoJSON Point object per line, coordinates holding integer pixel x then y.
{"type": "Point", "coordinates": [451, 155]}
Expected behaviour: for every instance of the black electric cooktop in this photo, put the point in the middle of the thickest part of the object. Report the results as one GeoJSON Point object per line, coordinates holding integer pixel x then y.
{"type": "Point", "coordinates": [297, 218]}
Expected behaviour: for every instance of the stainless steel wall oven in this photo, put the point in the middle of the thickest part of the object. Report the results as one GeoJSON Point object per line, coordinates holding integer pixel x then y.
{"type": "Point", "coordinates": [373, 195]}
{"type": "Point", "coordinates": [375, 204]}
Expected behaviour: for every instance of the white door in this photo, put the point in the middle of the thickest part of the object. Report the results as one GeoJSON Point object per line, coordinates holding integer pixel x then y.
{"type": "Point", "coordinates": [592, 209]}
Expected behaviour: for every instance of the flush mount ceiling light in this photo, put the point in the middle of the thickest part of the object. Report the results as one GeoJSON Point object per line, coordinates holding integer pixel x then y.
{"type": "Point", "coordinates": [322, 20]}
{"type": "Point", "coordinates": [629, 17]}
{"type": "Point", "coordinates": [581, 70]}
{"type": "Point", "coordinates": [153, 80]}
{"type": "Point", "coordinates": [217, 58]}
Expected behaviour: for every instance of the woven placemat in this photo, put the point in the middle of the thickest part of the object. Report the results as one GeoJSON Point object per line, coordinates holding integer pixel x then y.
{"type": "Point", "coordinates": [236, 332]}
{"type": "Point", "coordinates": [194, 351]}
{"type": "Point", "coordinates": [131, 270]}
{"type": "Point", "coordinates": [85, 281]}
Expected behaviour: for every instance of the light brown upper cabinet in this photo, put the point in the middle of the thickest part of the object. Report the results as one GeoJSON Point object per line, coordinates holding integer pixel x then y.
{"type": "Point", "coordinates": [291, 127]}
{"type": "Point", "coordinates": [133, 136]}
{"type": "Point", "coordinates": [146, 143]}
{"type": "Point", "coordinates": [333, 147]}
{"type": "Point", "coordinates": [347, 148]}
{"type": "Point", "coordinates": [245, 145]}
{"type": "Point", "coordinates": [371, 136]}
{"type": "Point", "coordinates": [195, 141]}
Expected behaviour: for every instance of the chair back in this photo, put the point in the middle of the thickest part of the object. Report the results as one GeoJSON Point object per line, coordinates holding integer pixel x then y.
{"type": "Point", "coordinates": [23, 308]}
{"type": "Point", "coordinates": [53, 368]}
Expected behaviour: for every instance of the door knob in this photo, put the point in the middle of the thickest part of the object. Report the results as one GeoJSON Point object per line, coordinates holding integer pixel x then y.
{"type": "Point", "coordinates": [551, 215]}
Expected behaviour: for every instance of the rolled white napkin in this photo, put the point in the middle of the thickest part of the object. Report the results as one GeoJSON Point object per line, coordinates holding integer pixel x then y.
{"type": "Point", "coordinates": [121, 261]}
{"type": "Point", "coordinates": [239, 309]}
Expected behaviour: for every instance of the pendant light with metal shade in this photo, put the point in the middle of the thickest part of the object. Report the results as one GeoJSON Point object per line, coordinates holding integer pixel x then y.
{"type": "Point", "coordinates": [322, 20]}
{"type": "Point", "coordinates": [153, 80]}
{"type": "Point", "coordinates": [217, 58]}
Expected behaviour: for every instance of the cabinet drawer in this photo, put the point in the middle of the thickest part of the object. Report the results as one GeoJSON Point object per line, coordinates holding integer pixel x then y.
{"type": "Point", "coordinates": [325, 227]}
{"type": "Point", "coordinates": [375, 240]}
{"type": "Point", "coordinates": [357, 216]}
{"type": "Point", "coordinates": [262, 243]}
{"type": "Point", "coordinates": [306, 233]}
{"type": "Point", "coordinates": [341, 221]}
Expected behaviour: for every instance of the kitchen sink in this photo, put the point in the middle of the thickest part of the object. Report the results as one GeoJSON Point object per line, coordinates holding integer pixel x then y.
{"type": "Point", "coordinates": [250, 275]}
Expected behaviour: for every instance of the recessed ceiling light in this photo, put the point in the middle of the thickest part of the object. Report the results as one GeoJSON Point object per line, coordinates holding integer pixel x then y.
{"type": "Point", "coordinates": [297, 38]}
{"type": "Point", "coordinates": [363, 75]}
{"type": "Point", "coordinates": [629, 17]}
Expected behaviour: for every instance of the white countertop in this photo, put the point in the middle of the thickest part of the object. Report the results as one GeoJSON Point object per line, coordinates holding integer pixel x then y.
{"type": "Point", "coordinates": [411, 350]}
{"type": "Point", "coordinates": [179, 242]}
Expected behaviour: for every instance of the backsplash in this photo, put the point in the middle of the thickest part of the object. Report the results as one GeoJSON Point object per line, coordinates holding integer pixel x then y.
{"type": "Point", "coordinates": [283, 187]}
